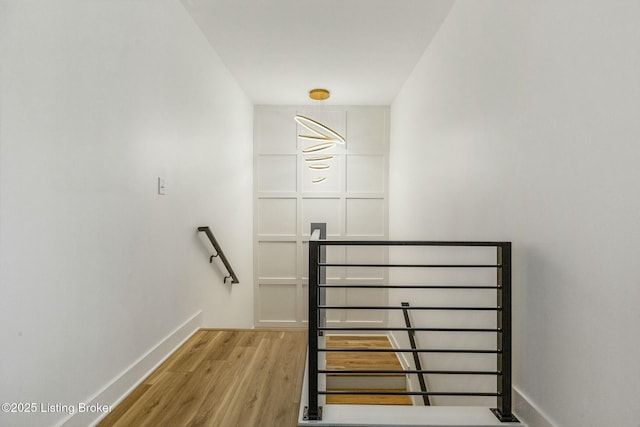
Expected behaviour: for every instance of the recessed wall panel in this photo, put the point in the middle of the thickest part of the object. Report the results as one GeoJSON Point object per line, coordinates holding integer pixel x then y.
{"type": "Point", "coordinates": [365, 174]}
{"type": "Point", "coordinates": [321, 210]}
{"type": "Point", "coordinates": [367, 130]}
{"type": "Point", "coordinates": [277, 173]}
{"type": "Point", "coordinates": [365, 217]}
{"type": "Point", "coordinates": [277, 217]}
{"type": "Point", "coordinates": [277, 260]}
{"type": "Point", "coordinates": [278, 303]}
{"type": "Point", "coordinates": [277, 132]}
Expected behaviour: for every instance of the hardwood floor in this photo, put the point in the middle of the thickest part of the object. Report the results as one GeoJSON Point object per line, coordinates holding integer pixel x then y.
{"type": "Point", "coordinates": [222, 378]}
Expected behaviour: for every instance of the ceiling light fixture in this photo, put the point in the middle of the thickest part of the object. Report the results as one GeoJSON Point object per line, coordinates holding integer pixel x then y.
{"type": "Point", "coordinates": [317, 158]}
{"type": "Point", "coordinates": [322, 132]}
{"type": "Point", "coordinates": [327, 137]}
{"type": "Point", "coordinates": [319, 147]}
{"type": "Point", "coordinates": [319, 94]}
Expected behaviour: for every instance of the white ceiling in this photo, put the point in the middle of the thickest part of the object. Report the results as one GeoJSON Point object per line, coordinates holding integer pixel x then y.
{"type": "Point", "coordinates": [361, 50]}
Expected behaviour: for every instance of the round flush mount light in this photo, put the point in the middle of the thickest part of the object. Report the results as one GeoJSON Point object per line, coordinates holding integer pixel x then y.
{"type": "Point", "coordinates": [319, 94]}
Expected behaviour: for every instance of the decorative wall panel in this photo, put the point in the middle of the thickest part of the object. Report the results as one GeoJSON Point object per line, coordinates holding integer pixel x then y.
{"type": "Point", "coordinates": [277, 260]}
{"type": "Point", "coordinates": [351, 198]}
{"type": "Point", "coordinates": [366, 217]}
{"type": "Point", "coordinates": [322, 210]}
{"type": "Point", "coordinates": [365, 173]}
{"type": "Point", "coordinates": [277, 173]}
{"type": "Point", "coordinates": [278, 217]}
{"type": "Point", "coordinates": [279, 303]}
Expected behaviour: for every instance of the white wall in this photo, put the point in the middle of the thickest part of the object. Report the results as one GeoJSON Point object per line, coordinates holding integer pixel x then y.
{"type": "Point", "coordinates": [520, 123]}
{"type": "Point", "coordinates": [98, 99]}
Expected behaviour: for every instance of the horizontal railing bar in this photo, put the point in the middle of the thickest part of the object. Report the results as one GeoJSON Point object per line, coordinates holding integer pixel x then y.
{"type": "Point", "coordinates": [405, 393]}
{"type": "Point", "coordinates": [334, 264]}
{"type": "Point", "coordinates": [408, 371]}
{"type": "Point", "coordinates": [408, 243]}
{"type": "Point", "coordinates": [408, 286]}
{"type": "Point", "coordinates": [336, 328]}
{"type": "Point", "coordinates": [406, 350]}
{"type": "Point", "coordinates": [373, 307]}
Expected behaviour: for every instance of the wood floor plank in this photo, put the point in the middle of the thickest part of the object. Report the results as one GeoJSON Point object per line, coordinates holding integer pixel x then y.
{"type": "Point", "coordinates": [213, 408]}
{"type": "Point", "coordinates": [113, 416]}
{"type": "Point", "coordinates": [186, 356]}
{"type": "Point", "coordinates": [287, 376]}
{"type": "Point", "coordinates": [197, 350]}
{"type": "Point", "coordinates": [153, 403]}
{"type": "Point", "coordinates": [242, 403]}
{"type": "Point", "coordinates": [227, 342]}
{"type": "Point", "coordinates": [181, 410]}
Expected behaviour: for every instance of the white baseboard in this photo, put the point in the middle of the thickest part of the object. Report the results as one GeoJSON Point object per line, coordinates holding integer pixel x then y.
{"type": "Point", "coordinates": [410, 380]}
{"type": "Point", "coordinates": [528, 412]}
{"type": "Point", "coordinates": [127, 381]}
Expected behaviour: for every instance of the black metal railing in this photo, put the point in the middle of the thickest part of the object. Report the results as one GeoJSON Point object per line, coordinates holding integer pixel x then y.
{"type": "Point", "coordinates": [317, 323]}
{"type": "Point", "coordinates": [232, 275]}
{"type": "Point", "coordinates": [416, 356]}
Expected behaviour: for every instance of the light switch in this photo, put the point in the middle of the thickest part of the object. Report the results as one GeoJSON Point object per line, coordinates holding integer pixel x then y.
{"type": "Point", "coordinates": [161, 189]}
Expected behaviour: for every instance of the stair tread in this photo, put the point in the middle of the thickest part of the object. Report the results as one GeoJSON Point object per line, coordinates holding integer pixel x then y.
{"type": "Point", "coordinates": [361, 361]}
{"type": "Point", "coordinates": [354, 399]}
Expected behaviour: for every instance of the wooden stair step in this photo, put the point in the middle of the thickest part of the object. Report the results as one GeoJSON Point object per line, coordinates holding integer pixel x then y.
{"type": "Point", "coordinates": [364, 361]}
{"type": "Point", "coordinates": [357, 360]}
{"type": "Point", "coordinates": [364, 399]}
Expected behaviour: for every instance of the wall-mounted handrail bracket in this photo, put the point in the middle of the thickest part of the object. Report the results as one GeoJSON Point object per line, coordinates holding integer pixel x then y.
{"type": "Point", "coordinates": [219, 253]}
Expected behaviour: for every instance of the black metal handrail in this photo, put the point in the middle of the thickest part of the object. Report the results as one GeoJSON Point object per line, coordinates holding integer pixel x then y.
{"type": "Point", "coordinates": [416, 356]}
{"type": "Point", "coordinates": [232, 275]}
{"type": "Point", "coordinates": [502, 309]}
{"type": "Point", "coordinates": [411, 393]}
{"type": "Point", "coordinates": [405, 371]}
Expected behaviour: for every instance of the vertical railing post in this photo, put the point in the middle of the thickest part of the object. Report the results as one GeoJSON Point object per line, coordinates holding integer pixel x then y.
{"type": "Point", "coordinates": [503, 411]}
{"type": "Point", "coordinates": [322, 272]}
{"type": "Point", "coordinates": [317, 255]}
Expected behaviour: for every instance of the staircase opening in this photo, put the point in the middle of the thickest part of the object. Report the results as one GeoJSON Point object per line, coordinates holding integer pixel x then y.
{"type": "Point", "coordinates": [358, 382]}
{"type": "Point", "coordinates": [469, 337]}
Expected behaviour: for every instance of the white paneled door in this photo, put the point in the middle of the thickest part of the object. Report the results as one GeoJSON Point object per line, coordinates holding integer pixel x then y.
{"type": "Point", "coordinates": [351, 197]}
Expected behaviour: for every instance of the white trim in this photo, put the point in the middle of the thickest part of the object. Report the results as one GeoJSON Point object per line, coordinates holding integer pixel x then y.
{"type": "Point", "coordinates": [406, 365]}
{"type": "Point", "coordinates": [528, 412]}
{"type": "Point", "coordinates": [120, 387]}
{"type": "Point", "coordinates": [403, 356]}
